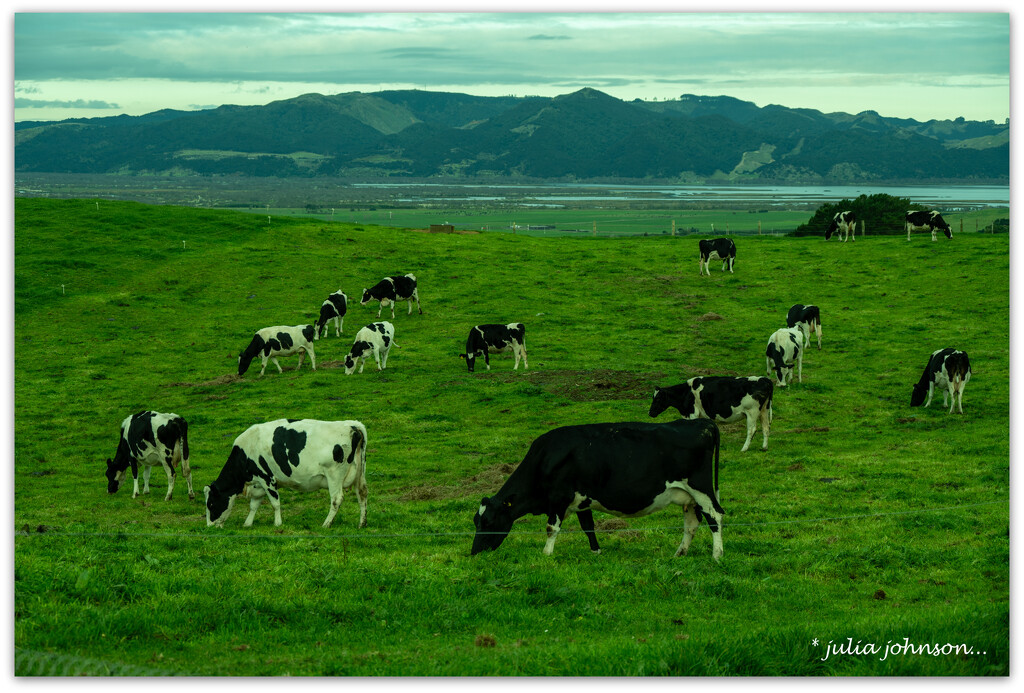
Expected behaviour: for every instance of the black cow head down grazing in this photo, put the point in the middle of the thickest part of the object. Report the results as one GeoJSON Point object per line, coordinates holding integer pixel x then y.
{"type": "Point", "coordinates": [493, 522]}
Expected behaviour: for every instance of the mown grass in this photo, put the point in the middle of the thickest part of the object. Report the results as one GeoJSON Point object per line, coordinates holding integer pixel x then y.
{"type": "Point", "coordinates": [865, 519]}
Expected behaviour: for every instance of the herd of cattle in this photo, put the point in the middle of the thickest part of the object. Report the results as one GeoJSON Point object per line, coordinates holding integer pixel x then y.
{"type": "Point", "coordinates": [572, 468]}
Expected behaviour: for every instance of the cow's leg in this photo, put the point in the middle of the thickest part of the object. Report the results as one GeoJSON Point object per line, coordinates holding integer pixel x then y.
{"type": "Point", "coordinates": [554, 525]}
{"type": "Point", "coordinates": [362, 495]}
{"type": "Point", "coordinates": [751, 428]}
{"type": "Point", "coordinates": [487, 357]}
{"type": "Point", "coordinates": [392, 310]}
{"type": "Point", "coordinates": [186, 471]}
{"type": "Point", "coordinates": [376, 358]}
{"type": "Point", "coordinates": [146, 471]}
{"type": "Point", "coordinates": [517, 352]}
{"type": "Point", "coordinates": [335, 488]}
{"type": "Point", "coordinates": [800, 365]}
{"type": "Point", "coordinates": [384, 358]}
{"type": "Point", "coordinates": [312, 356]}
{"type": "Point", "coordinates": [934, 237]}
{"type": "Point", "coordinates": [931, 389]}
{"type": "Point", "coordinates": [586, 518]}
{"type": "Point", "coordinates": [171, 474]}
{"type": "Point", "coordinates": [690, 524]}
{"type": "Point", "coordinates": [960, 396]}
{"type": "Point", "coordinates": [416, 295]}
{"type": "Point", "coordinates": [275, 503]}
{"type": "Point", "coordinates": [714, 520]}
{"type": "Point", "coordinates": [766, 423]}
{"type": "Point", "coordinates": [817, 331]}
{"type": "Point", "coordinates": [380, 308]}
{"type": "Point", "coordinates": [302, 355]}
{"type": "Point", "coordinates": [732, 263]}
{"type": "Point", "coordinates": [256, 493]}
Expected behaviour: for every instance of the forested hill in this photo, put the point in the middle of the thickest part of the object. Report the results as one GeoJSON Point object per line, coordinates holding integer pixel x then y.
{"type": "Point", "coordinates": [579, 136]}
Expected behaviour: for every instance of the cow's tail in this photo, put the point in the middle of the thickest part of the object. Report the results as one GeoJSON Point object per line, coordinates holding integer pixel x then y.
{"type": "Point", "coordinates": [718, 443]}
{"type": "Point", "coordinates": [768, 400]}
{"type": "Point", "coordinates": [184, 444]}
{"type": "Point", "coordinates": [358, 446]}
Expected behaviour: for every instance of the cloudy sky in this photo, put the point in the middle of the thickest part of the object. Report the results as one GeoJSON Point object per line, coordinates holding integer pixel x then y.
{"type": "Point", "coordinates": [916, 64]}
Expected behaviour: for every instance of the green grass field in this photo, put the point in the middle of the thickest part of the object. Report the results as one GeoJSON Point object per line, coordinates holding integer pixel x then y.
{"type": "Point", "coordinates": [866, 521]}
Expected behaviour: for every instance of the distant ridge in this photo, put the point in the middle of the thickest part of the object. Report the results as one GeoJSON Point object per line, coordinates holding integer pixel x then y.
{"type": "Point", "coordinates": [583, 135]}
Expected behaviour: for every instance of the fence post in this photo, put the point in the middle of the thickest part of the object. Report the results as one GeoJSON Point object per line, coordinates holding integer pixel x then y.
{"type": "Point", "coordinates": [595, 227]}
{"type": "Point", "coordinates": [673, 227]}
{"type": "Point", "coordinates": [758, 227]}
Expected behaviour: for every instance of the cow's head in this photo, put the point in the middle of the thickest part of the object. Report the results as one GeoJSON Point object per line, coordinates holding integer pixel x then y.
{"type": "Point", "coordinates": [360, 349]}
{"type": "Point", "coordinates": [366, 297]}
{"type": "Point", "coordinates": [114, 476]}
{"type": "Point", "coordinates": [493, 521]}
{"type": "Point", "coordinates": [919, 394]}
{"type": "Point", "coordinates": [659, 403]}
{"type": "Point", "coordinates": [243, 363]}
{"type": "Point", "coordinates": [470, 358]}
{"type": "Point", "coordinates": [218, 506]}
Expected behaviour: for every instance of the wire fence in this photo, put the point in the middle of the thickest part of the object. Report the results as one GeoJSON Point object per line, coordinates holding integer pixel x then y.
{"type": "Point", "coordinates": [36, 663]}
{"type": "Point", "coordinates": [408, 535]}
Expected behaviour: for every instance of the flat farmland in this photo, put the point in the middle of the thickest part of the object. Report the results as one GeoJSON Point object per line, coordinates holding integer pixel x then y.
{"type": "Point", "coordinates": [866, 524]}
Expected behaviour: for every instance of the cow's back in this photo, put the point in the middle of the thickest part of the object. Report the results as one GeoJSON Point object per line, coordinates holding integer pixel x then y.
{"type": "Point", "coordinates": [624, 466]}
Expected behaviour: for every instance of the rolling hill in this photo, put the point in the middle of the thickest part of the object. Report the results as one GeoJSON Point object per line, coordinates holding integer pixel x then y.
{"type": "Point", "coordinates": [584, 135]}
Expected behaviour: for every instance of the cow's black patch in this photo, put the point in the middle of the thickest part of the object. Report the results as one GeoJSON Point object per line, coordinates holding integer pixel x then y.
{"type": "Point", "coordinates": [287, 445]}
{"type": "Point", "coordinates": [338, 454]}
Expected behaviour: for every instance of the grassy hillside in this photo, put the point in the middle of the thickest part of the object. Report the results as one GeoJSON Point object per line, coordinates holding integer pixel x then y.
{"type": "Point", "coordinates": [865, 519]}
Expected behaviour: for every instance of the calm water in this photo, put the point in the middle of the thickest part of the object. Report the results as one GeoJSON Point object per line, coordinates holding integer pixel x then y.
{"type": "Point", "coordinates": [769, 195]}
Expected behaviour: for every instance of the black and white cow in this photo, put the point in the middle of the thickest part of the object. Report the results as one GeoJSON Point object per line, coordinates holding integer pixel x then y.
{"type": "Point", "coordinates": [150, 438]}
{"type": "Point", "coordinates": [810, 316]}
{"type": "Point", "coordinates": [948, 369]}
{"type": "Point", "coordinates": [376, 339]}
{"type": "Point", "coordinates": [493, 339]}
{"type": "Point", "coordinates": [843, 224]}
{"type": "Point", "coordinates": [785, 350]}
{"type": "Point", "coordinates": [307, 455]}
{"type": "Point", "coordinates": [271, 342]}
{"type": "Point", "coordinates": [625, 469]}
{"type": "Point", "coordinates": [721, 398]}
{"type": "Point", "coordinates": [929, 221]}
{"type": "Point", "coordinates": [333, 308]}
{"type": "Point", "coordinates": [723, 249]}
{"type": "Point", "coordinates": [392, 290]}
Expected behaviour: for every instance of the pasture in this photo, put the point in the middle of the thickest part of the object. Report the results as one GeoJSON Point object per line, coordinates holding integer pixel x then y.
{"type": "Point", "coordinates": [866, 521]}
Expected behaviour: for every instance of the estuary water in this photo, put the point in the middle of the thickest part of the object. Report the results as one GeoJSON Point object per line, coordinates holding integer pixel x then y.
{"type": "Point", "coordinates": [555, 194]}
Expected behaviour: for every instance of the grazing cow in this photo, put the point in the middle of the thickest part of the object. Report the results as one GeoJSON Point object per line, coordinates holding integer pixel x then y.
{"type": "Point", "coordinates": [810, 316]}
{"type": "Point", "coordinates": [375, 339]}
{"type": "Point", "coordinates": [392, 290]}
{"type": "Point", "coordinates": [843, 224]}
{"type": "Point", "coordinates": [333, 308]}
{"type": "Point", "coordinates": [785, 349]}
{"type": "Point", "coordinates": [151, 438]}
{"type": "Point", "coordinates": [494, 339]}
{"type": "Point", "coordinates": [306, 454]}
{"type": "Point", "coordinates": [721, 398]}
{"type": "Point", "coordinates": [271, 342]}
{"type": "Point", "coordinates": [929, 221]}
{"type": "Point", "coordinates": [625, 469]}
{"type": "Point", "coordinates": [723, 249]}
{"type": "Point", "coordinates": [949, 369]}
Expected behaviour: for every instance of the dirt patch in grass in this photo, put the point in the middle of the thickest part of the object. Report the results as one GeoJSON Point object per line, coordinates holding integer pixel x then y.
{"type": "Point", "coordinates": [481, 484]}
{"type": "Point", "coordinates": [222, 380]}
{"type": "Point", "coordinates": [590, 385]}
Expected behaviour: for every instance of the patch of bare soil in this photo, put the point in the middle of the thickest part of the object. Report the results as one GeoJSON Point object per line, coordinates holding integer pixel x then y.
{"type": "Point", "coordinates": [590, 385]}
{"type": "Point", "coordinates": [222, 380]}
{"type": "Point", "coordinates": [710, 316]}
{"type": "Point", "coordinates": [481, 484]}
{"type": "Point", "coordinates": [456, 231]}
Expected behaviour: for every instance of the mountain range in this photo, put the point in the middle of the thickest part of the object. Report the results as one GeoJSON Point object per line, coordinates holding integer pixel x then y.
{"type": "Point", "coordinates": [584, 135]}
